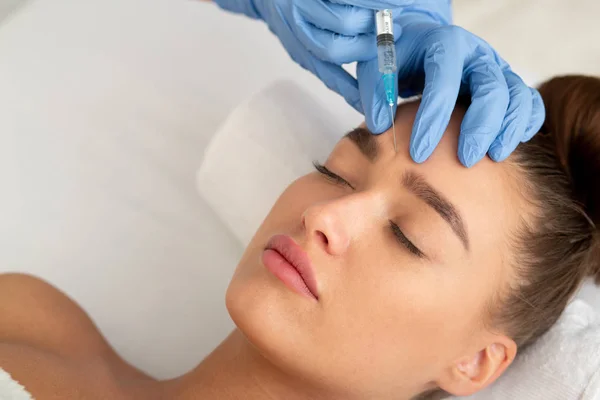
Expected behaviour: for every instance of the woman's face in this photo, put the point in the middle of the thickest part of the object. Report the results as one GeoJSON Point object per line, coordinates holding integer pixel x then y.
{"type": "Point", "coordinates": [406, 258]}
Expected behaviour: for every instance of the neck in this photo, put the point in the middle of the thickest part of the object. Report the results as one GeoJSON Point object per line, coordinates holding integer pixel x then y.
{"type": "Point", "coordinates": [236, 370]}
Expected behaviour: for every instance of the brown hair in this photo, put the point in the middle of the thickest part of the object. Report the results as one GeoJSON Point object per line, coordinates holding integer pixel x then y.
{"type": "Point", "coordinates": [557, 244]}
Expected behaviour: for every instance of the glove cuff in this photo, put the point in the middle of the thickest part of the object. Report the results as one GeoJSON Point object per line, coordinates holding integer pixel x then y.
{"type": "Point", "coordinates": [245, 7]}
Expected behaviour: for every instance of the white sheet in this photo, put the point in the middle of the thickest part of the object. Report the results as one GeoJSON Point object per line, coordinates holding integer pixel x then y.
{"type": "Point", "coordinates": [106, 108]}
{"type": "Point", "coordinates": [11, 389]}
{"type": "Point", "coordinates": [98, 151]}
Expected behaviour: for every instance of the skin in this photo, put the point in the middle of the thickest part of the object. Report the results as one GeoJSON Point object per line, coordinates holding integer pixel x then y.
{"type": "Point", "coordinates": [388, 324]}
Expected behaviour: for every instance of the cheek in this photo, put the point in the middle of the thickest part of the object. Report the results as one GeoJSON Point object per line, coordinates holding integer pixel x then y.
{"type": "Point", "coordinates": [253, 292]}
{"type": "Point", "coordinates": [396, 313]}
{"type": "Point", "coordinates": [379, 307]}
{"type": "Point", "coordinates": [284, 217]}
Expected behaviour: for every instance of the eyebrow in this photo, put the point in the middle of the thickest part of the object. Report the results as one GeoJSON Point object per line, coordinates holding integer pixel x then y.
{"type": "Point", "coordinates": [415, 183]}
{"type": "Point", "coordinates": [365, 141]}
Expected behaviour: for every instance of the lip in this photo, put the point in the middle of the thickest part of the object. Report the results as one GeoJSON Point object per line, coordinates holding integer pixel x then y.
{"type": "Point", "coordinates": [285, 259]}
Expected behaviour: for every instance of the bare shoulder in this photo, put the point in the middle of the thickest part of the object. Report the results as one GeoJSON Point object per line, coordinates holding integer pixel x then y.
{"type": "Point", "coordinates": [52, 347]}
{"type": "Point", "coordinates": [35, 313]}
{"type": "Point", "coordinates": [50, 377]}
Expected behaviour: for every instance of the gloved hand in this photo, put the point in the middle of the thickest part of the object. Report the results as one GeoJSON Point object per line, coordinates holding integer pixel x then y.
{"type": "Point", "coordinates": [503, 111]}
{"type": "Point", "coordinates": [321, 35]}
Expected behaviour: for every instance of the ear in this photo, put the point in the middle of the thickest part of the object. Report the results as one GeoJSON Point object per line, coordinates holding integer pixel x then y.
{"type": "Point", "coordinates": [476, 371]}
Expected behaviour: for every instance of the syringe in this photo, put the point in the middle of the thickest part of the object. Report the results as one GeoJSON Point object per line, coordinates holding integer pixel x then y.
{"type": "Point", "coordinates": [386, 55]}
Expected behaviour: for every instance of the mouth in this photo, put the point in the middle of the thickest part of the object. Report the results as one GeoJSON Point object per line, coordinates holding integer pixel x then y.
{"type": "Point", "coordinates": [285, 259]}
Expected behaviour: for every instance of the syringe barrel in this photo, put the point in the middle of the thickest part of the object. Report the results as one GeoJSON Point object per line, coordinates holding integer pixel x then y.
{"type": "Point", "coordinates": [386, 52]}
{"type": "Point", "coordinates": [386, 56]}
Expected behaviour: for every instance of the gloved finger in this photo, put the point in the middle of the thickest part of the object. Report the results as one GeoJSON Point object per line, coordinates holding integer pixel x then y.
{"type": "Point", "coordinates": [378, 115]}
{"type": "Point", "coordinates": [333, 47]}
{"type": "Point", "coordinates": [489, 102]}
{"type": "Point", "coordinates": [333, 76]}
{"type": "Point", "coordinates": [538, 115]}
{"type": "Point", "coordinates": [338, 80]}
{"type": "Point", "coordinates": [443, 72]}
{"type": "Point", "coordinates": [516, 118]}
{"type": "Point", "coordinates": [338, 18]}
{"type": "Point", "coordinates": [381, 4]}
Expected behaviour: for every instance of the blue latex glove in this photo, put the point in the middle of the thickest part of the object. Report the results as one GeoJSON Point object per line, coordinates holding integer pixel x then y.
{"type": "Point", "coordinates": [321, 35]}
{"type": "Point", "coordinates": [441, 61]}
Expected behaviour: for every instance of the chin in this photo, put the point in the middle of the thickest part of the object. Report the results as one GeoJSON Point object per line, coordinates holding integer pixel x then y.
{"type": "Point", "coordinates": [260, 305]}
{"type": "Point", "coordinates": [286, 329]}
{"type": "Point", "coordinates": [276, 321]}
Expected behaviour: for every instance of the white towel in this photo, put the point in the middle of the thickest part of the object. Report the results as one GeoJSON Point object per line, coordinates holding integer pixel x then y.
{"type": "Point", "coordinates": [564, 364]}
{"type": "Point", "coordinates": [11, 389]}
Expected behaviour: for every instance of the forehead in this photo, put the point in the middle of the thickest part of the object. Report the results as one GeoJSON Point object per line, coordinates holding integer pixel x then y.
{"type": "Point", "coordinates": [486, 194]}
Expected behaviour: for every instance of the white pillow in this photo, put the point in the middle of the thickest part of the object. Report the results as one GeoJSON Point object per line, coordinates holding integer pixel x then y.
{"type": "Point", "coordinates": [264, 145]}
{"type": "Point", "coordinates": [272, 138]}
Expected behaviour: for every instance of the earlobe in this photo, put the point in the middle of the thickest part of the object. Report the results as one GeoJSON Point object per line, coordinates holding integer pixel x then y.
{"type": "Point", "coordinates": [474, 372]}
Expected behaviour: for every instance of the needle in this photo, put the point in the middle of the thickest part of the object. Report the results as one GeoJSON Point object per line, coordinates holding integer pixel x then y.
{"type": "Point", "coordinates": [393, 127]}
{"type": "Point", "coordinates": [386, 56]}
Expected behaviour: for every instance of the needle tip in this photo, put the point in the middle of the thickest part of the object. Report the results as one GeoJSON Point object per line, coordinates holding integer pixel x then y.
{"type": "Point", "coordinates": [393, 128]}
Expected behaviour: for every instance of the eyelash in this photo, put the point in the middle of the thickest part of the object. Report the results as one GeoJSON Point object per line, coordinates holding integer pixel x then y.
{"type": "Point", "coordinates": [402, 239]}
{"type": "Point", "coordinates": [323, 170]}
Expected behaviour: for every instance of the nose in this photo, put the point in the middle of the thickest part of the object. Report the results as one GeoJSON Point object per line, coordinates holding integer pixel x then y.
{"type": "Point", "coordinates": [333, 224]}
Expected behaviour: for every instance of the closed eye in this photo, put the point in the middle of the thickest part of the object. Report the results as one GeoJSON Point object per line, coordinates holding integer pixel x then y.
{"type": "Point", "coordinates": [331, 175]}
{"type": "Point", "coordinates": [404, 240]}
{"type": "Point", "coordinates": [395, 228]}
